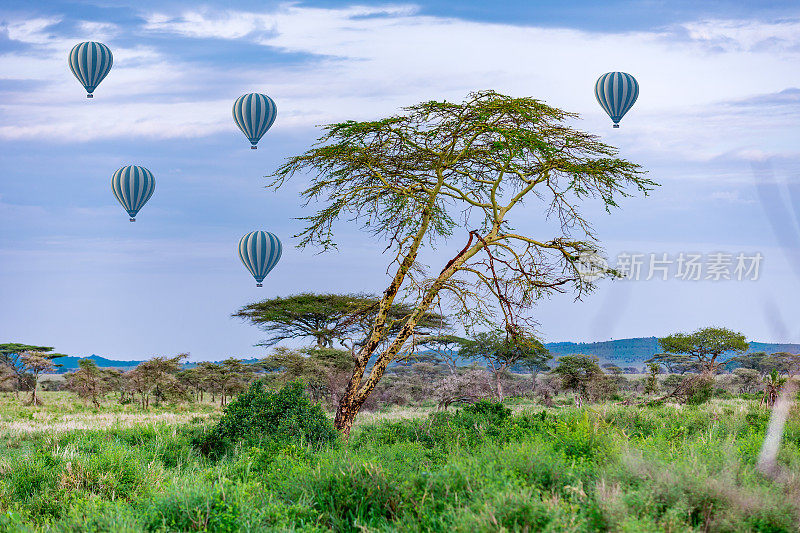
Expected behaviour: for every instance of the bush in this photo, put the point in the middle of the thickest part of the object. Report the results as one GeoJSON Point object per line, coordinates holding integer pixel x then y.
{"type": "Point", "coordinates": [258, 414]}
{"type": "Point", "coordinates": [493, 412]}
{"type": "Point", "coordinates": [699, 390]}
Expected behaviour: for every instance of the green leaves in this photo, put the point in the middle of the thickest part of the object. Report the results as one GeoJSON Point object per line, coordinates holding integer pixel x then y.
{"type": "Point", "coordinates": [256, 415]}
{"type": "Point", "coordinates": [702, 347]}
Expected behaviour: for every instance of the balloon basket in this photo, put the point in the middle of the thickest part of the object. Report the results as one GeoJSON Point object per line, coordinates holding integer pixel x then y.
{"type": "Point", "coordinates": [133, 220]}
{"type": "Point", "coordinates": [89, 95]}
{"type": "Point", "coordinates": [616, 126]}
{"type": "Point", "coordinates": [259, 285]}
{"type": "Point", "coordinates": [254, 147]}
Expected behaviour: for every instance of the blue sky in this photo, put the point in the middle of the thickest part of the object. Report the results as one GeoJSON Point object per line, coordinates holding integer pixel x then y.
{"type": "Point", "coordinates": [716, 124]}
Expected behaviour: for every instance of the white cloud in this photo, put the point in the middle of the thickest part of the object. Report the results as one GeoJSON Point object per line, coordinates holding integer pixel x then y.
{"type": "Point", "coordinates": [370, 61]}
{"type": "Point", "coordinates": [746, 35]}
{"type": "Point", "coordinates": [32, 31]}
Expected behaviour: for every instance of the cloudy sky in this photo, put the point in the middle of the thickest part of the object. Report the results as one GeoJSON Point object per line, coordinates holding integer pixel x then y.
{"type": "Point", "coordinates": [717, 125]}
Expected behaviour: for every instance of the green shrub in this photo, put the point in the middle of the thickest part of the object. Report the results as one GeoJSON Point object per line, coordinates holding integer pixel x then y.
{"type": "Point", "coordinates": [494, 412]}
{"type": "Point", "coordinates": [699, 391]}
{"type": "Point", "coordinates": [258, 414]}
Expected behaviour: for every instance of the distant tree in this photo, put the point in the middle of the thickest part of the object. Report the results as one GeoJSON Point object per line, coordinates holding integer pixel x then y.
{"type": "Point", "coordinates": [90, 382]}
{"type": "Point", "coordinates": [536, 361]}
{"type": "Point", "coordinates": [116, 382]}
{"type": "Point", "coordinates": [747, 379]}
{"type": "Point", "coordinates": [329, 319]}
{"type": "Point", "coordinates": [701, 349]}
{"type": "Point", "coordinates": [751, 360]}
{"type": "Point", "coordinates": [576, 372]}
{"type": "Point", "coordinates": [10, 355]}
{"type": "Point", "coordinates": [783, 362]}
{"type": "Point", "coordinates": [211, 378]}
{"type": "Point", "coordinates": [674, 363]}
{"type": "Point", "coordinates": [235, 377]}
{"type": "Point", "coordinates": [157, 379]}
{"type": "Point", "coordinates": [8, 378]}
{"type": "Point", "coordinates": [323, 370]}
{"type": "Point", "coordinates": [35, 363]}
{"type": "Point", "coordinates": [445, 349]}
{"type": "Point", "coordinates": [651, 383]}
{"type": "Point", "coordinates": [501, 351]}
{"type": "Point", "coordinates": [441, 168]}
{"type": "Point", "coordinates": [192, 379]}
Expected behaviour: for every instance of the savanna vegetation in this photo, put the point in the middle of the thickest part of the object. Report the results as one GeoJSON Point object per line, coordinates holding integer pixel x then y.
{"type": "Point", "coordinates": [432, 406]}
{"type": "Point", "coordinates": [577, 447]}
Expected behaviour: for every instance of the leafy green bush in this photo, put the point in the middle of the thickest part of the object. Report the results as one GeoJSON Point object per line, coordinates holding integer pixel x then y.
{"type": "Point", "coordinates": [258, 414]}
{"type": "Point", "coordinates": [494, 412]}
{"type": "Point", "coordinates": [699, 391]}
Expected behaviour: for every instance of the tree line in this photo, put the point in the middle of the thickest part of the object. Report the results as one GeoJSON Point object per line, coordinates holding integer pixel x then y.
{"type": "Point", "coordinates": [155, 381]}
{"type": "Point", "coordinates": [438, 366]}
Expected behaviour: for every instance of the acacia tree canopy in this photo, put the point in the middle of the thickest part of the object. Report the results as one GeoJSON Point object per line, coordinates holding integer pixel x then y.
{"type": "Point", "coordinates": [577, 371]}
{"type": "Point", "coordinates": [326, 318]}
{"type": "Point", "coordinates": [701, 348]}
{"type": "Point", "coordinates": [500, 351]}
{"type": "Point", "coordinates": [10, 353]}
{"type": "Point", "coordinates": [444, 170]}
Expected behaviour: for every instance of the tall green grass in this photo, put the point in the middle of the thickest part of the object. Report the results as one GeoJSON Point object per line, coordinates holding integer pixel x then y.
{"type": "Point", "coordinates": [603, 468]}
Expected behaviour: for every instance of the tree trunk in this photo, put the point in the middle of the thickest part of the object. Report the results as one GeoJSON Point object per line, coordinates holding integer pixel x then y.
{"type": "Point", "coordinates": [34, 400]}
{"type": "Point", "coordinates": [348, 403]}
{"type": "Point", "coordinates": [499, 385]}
{"type": "Point", "coordinates": [346, 415]}
{"type": "Point", "coordinates": [357, 392]}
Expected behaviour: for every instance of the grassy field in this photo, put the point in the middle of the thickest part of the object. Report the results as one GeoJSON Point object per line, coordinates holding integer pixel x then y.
{"type": "Point", "coordinates": [605, 467]}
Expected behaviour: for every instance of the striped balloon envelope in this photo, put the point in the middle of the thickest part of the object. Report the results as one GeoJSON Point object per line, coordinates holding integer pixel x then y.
{"type": "Point", "coordinates": [260, 251]}
{"type": "Point", "coordinates": [90, 62]}
{"type": "Point", "coordinates": [133, 186]}
{"type": "Point", "coordinates": [616, 92]}
{"type": "Point", "coordinates": [254, 113]}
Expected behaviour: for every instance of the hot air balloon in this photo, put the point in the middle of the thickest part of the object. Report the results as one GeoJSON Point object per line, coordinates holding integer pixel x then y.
{"type": "Point", "coordinates": [133, 186]}
{"type": "Point", "coordinates": [616, 92]}
{"type": "Point", "coordinates": [260, 251]}
{"type": "Point", "coordinates": [90, 62]}
{"type": "Point", "coordinates": [254, 113]}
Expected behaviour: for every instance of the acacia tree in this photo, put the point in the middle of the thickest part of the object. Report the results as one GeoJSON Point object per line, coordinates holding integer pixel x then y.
{"type": "Point", "coordinates": [35, 363]}
{"type": "Point", "coordinates": [577, 372]}
{"type": "Point", "coordinates": [651, 383]}
{"type": "Point", "coordinates": [444, 349]}
{"type": "Point", "coordinates": [326, 318]}
{"type": "Point", "coordinates": [701, 349]}
{"type": "Point", "coordinates": [90, 382]}
{"type": "Point", "coordinates": [447, 170]}
{"type": "Point", "coordinates": [157, 378]}
{"type": "Point", "coordinates": [10, 356]}
{"type": "Point", "coordinates": [501, 351]}
{"type": "Point", "coordinates": [235, 377]}
{"type": "Point", "coordinates": [7, 376]}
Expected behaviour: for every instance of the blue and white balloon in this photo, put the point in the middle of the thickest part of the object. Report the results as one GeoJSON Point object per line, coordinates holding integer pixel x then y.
{"type": "Point", "coordinates": [90, 62]}
{"type": "Point", "coordinates": [616, 92]}
{"type": "Point", "coordinates": [133, 186]}
{"type": "Point", "coordinates": [260, 251]}
{"type": "Point", "coordinates": [254, 113]}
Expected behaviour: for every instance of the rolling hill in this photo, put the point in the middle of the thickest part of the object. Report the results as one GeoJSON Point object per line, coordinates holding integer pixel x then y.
{"type": "Point", "coordinates": [622, 352]}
